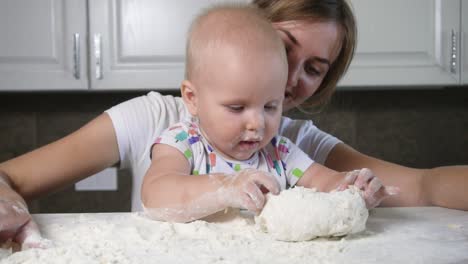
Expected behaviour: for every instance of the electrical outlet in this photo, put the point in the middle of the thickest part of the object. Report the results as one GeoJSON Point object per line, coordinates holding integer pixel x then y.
{"type": "Point", "coordinates": [105, 180]}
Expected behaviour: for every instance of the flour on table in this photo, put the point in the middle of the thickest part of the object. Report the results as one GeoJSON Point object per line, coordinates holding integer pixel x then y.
{"type": "Point", "coordinates": [392, 235]}
{"type": "Point", "coordinates": [133, 238]}
{"type": "Point", "coordinates": [301, 214]}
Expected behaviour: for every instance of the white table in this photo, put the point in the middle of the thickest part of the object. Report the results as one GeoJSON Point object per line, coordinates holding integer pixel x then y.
{"type": "Point", "coordinates": [393, 235]}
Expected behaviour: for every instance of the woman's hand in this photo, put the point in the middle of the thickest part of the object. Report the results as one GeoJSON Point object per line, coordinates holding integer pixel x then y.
{"type": "Point", "coordinates": [16, 224]}
{"type": "Point", "coordinates": [373, 189]}
{"type": "Point", "coordinates": [13, 218]}
{"type": "Point", "coordinates": [246, 189]}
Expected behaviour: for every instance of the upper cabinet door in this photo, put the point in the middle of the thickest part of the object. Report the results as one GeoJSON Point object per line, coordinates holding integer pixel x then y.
{"type": "Point", "coordinates": [403, 42]}
{"type": "Point", "coordinates": [464, 42]}
{"type": "Point", "coordinates": [139, 44]}
{"type": "Point", "coordinates": [43, 45]}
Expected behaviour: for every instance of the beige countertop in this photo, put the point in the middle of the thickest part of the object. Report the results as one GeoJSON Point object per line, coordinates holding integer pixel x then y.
{"type": "Point", "coordinates": [392, 235]}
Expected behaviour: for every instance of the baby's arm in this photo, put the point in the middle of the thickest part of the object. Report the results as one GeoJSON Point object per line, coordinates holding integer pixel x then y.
{"type": "Point", "coordinates": [170, 193]}
{"type": "Point", "coordinates": [326, 180]}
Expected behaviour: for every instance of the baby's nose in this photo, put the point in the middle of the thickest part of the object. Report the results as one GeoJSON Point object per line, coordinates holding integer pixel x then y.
{"type": "Point", "coordinates": [256, 122]}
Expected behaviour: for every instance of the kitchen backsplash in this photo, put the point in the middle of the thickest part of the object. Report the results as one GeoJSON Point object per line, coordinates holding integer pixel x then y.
{"type": "Point", "coordinates": [419, 128]}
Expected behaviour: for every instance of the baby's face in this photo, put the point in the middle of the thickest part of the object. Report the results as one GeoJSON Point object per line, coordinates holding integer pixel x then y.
{"type": "Point", "coordinates": [240, 103]}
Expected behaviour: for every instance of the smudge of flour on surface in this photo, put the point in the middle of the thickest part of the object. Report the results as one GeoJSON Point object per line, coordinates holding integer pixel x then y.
{"type": "Point", "coordinates": [394, 235]}
{"type": "Point", "coordinates": [136, 239]}
{"type": "Point", "coordinates": [301, 214]}
{"type": "Point", "coordinates": [5, 252]}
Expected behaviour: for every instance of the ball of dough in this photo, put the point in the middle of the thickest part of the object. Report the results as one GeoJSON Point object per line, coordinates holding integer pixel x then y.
{"type": "Point", "coordinates": [300, 214]}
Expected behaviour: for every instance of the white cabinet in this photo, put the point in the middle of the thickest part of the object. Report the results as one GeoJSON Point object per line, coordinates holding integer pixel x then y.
{"type": "Point", "coordinates": [464, 42]}
{"type": "Point", "coordinates": [139, 44]}
{"type": "Point", "coordinates": [42, 45]}
{"type": "Point", "coordinates": [403, 42]}
{"type": "Point", "coordinates": [129, 44]}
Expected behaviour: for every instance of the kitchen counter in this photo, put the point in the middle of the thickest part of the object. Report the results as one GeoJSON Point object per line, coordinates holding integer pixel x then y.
{"type": "Point", "coordinates": [392, 235]}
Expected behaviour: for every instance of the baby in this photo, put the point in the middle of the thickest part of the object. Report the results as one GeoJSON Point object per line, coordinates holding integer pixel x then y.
{"type": "Point", "coordinates": [229, 153]}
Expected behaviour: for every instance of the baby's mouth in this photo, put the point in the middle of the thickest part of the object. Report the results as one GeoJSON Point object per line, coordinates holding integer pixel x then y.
{"type": "Point", "coordinates": [249, 144]}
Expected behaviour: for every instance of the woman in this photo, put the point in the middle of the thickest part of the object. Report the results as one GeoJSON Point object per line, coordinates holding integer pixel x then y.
{"type": "Point", "coordinates": [320, 37]}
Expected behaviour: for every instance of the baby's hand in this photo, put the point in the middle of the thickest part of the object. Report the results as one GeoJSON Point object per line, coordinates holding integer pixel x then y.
{"type": "Point", "coordinates": [246, 189]}
{"type": "Point", "coordinates": [373, 189]}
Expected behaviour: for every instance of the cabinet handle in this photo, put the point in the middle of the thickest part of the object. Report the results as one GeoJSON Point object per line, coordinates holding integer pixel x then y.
{"type": "Point", "coordinates": [453, 53]}
{"type": "Point", "coordinates": [98, 56]}
{"type": "Point", "coordinates": [76, 56]}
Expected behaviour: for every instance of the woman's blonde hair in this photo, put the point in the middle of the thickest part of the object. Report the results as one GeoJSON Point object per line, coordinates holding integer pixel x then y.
{"type": "Point", "coordinates": [338, 11]}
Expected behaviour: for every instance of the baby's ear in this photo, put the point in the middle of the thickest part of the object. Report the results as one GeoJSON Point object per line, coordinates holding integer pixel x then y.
{"type": "Point", "coordinates": [189, 94]}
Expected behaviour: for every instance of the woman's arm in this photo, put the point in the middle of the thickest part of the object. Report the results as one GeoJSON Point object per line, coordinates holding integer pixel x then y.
{"type": "Point", "coordinates": [170, 193]}
{"type": "Point", "coordinates": [83, 153]}
{"type": "Point", "coordinates": [442, 186]}
{"type": "Point", "coordinates": [326, 180]}
{"type": "Point", "coordinates": [74, 157]}
{"type": "Point", "coordinates": [321, 178]}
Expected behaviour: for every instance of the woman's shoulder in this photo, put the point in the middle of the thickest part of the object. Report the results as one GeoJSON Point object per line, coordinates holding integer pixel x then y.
{"type": "Point", "coordinates": [153, 95]}
{"type": "Point", "coordinates": [162, 101]}
{"type": "Point", "coordinates": [153, 105]}
{"type": "Point", "coordinates": [309, 138]}
{"type": "Point", "coordinates": [292, 127]}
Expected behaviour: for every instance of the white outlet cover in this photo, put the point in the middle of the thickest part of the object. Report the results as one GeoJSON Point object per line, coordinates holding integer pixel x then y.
{"type": "Point", "coordinates": [105, 180]}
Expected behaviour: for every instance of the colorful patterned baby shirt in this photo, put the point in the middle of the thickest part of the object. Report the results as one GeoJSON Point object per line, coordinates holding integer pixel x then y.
{"type": "Point", "coordinates": [280, 157]}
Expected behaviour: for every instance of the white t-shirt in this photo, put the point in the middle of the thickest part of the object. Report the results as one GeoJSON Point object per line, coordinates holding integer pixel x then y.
{"type": "Point", "coordinates": [139, 121]}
